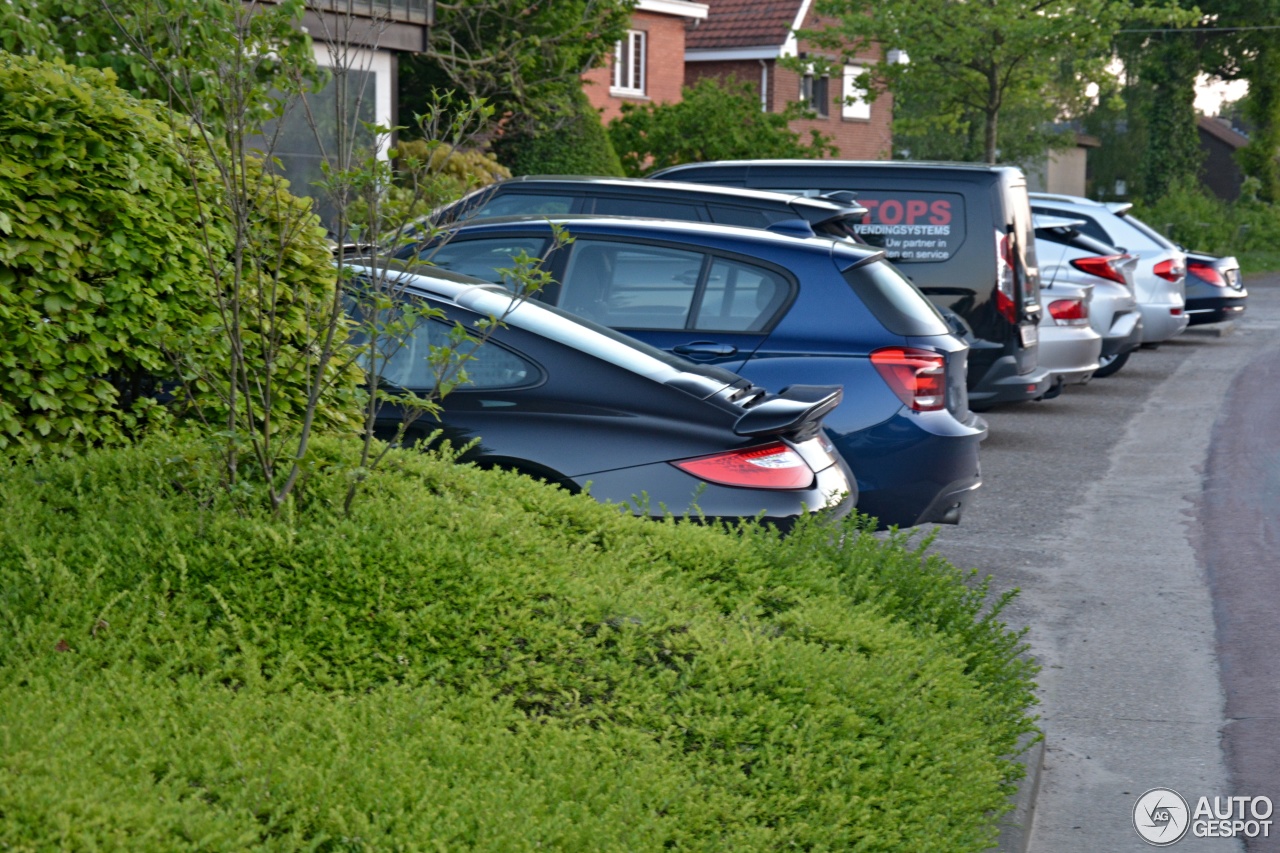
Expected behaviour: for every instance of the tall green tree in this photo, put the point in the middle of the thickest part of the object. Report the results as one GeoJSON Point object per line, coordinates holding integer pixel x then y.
{"type": "Point", "coordinates": [522, 56]}
{"type": "Point", "coordinates": [986, 59]}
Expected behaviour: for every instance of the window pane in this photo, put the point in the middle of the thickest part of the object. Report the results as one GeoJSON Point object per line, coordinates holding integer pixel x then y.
{"type": "Point", "coordinates": [630, 287]}
{"type": "Point", "coordinates": [483, 258]}
{"type": "Point", "coordinates": [646, 207]}
{"type": "Point", "coordinates": [486, 365]}
{"type": "Point", "coordinates": [524, 204]}
{"type": "Point", "coordinates": [740, 298]}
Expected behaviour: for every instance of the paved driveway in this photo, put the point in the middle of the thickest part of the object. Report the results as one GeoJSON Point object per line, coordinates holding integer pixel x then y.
{"type": "Point", "coordinates": [1140, 516]}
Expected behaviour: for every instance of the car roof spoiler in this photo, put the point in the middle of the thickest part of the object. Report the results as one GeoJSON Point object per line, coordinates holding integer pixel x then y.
{"type": "Point", "coordinates": [796, 411]}
{"type": "Point", "coordinates": [1119, 208]}
{"type": "Point", "coordinates": [1045, 222]}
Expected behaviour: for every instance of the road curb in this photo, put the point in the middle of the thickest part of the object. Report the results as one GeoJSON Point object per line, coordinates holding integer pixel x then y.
{"type": "Point", "coordinates": [1015, 826]}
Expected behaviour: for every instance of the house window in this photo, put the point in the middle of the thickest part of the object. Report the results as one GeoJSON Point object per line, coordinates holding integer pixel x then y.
{"type": "Point", "coordinates": [815, 94]}
{"type": "Point", "coordinates": [629, 64]}
{"type": "Point", "coordinates": [854, 103]}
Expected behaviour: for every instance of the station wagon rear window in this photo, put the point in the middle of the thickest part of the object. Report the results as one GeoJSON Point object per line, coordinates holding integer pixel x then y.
{"type": "Point", "coordinates": [913, 227]}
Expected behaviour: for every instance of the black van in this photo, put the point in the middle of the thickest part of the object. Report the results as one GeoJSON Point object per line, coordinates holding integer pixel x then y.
{"type": "Point", "coordinates": [557, 195]}
{"type": "Point", "coordinates": [961, 232]}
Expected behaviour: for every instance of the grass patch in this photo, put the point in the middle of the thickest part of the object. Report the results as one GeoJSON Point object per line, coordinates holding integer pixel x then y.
{"type": "Point", "coordinates": [473, 660]}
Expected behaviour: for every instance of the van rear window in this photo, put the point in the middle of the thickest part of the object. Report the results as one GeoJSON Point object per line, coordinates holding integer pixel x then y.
{"type": "Point", "coordinates": [913, 227]}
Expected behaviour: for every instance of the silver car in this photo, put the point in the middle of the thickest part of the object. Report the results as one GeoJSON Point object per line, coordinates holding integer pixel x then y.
{"type": "Point", "coordinates": [1069, 347]}
{"type": "Point", "coordinates": [1158, 280]}
{"type": "Point", "coordinates": [1068, 257]}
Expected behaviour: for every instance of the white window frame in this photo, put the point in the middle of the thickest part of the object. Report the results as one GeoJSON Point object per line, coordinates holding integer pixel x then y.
{"type": "Point", "coordinates": [853, 102]}
{"type": "Point", "coordinates": [629, 76]}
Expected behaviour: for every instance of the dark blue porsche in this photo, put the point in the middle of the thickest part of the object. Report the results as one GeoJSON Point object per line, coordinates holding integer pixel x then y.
{"type": "Point", "coordinates": [778, 309]}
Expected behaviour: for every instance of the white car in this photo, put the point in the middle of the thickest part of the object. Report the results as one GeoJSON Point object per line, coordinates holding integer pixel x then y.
{"type": "Point", "coordinates": [1158, 278]}
{"type": "Point", "coordinates": [1070, 258]}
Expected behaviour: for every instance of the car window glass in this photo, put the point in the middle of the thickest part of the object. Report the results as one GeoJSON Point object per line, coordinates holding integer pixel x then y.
{"type": "Point", "coordinates": [523, 204]}
{"type": "Point", "coordinates": [894, 300]}
{"type": "Point", "coordinates": [629, 286]}
{"type": "Point", "coordinates": [483, 258]}
{"type": "Point", "coordinates": [740, 297]}
{"type": "Point", "coordinates": [653, 208]}
{"type": "Point", "coordinates": [747, 217]}
{"type": "Point", "coordinates": [1152, 234]}
{"type": "Point", "coordinates": [405, 358]}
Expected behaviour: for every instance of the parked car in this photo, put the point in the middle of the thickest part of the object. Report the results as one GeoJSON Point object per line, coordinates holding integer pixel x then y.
{"type": "Point", "coordinates": [1069, 347]}
{"type": "Point", "coordinates": [560, 195]}
{"type": "Point", "coordinates": [1158, 279]}
{"type": "Point", "coordinates": [961, 232]}
{"type": "Point", "coordinates": [1067, 258]}
{"type": "Point", "coordinates": [1215, 289]}
{"type": "Point", "coordinates": [779, 310]}
{"type": "Point", "coordinates": [582, 406]}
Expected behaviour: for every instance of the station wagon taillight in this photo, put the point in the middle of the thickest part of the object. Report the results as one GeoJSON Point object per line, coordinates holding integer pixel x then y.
{"type": "Point", "coordinates": [1006, 302]}
{"type": "Point", "coordinates": [1102, 266]}
{"type": "Point", "coordinates": [1169, 270]}
{"type": "Point", "coordinates": [917, 376]}
{"type": "Point", "coordinates": [1069, 312]}
{"type": "Point", "coordinates": [769, 466]}
{"type": "Point", "coordinates": [1207, 272]}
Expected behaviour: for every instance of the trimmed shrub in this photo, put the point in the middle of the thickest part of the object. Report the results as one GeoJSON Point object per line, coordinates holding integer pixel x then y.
{"type": "Point", "coordinates": [575, 144]}
{"type": "Point", "coordinates": [107, 271]}
{"type": "Point", "coordinates": [473, 659]}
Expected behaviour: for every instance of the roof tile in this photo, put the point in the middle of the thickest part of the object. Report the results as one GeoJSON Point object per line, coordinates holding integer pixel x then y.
{"type": "Point", "coordinates": [743, 23]}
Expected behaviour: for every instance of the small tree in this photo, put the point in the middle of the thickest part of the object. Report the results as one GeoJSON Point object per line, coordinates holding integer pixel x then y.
{"type": "Point", "coordinates": [714, 120]}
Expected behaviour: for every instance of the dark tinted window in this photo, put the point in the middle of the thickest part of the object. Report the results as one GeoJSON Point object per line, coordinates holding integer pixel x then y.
{"type": "Point", "coordinates": [895, 301]}
{"type": "Point", "coordinates": [1076, 239]}
{"type": "Point", "coordinates": [483, 258]}
{"type": "Point", "coordinates": [913, 227]}
{"type": "Point", "coordinates": [630, 286]}
{"type": "Point", "coordinates": [747, 217]}
{"type": "Point", "coordinates": [1089, 226]}
{"type": "Point", "coordinates": [740, 297]}
{"type": "Point", "coordinates": [433, 352]}
{"type": "Point", "coordinates": [524, 204]}
{"type": "Point", "coordinates": [653, 208]}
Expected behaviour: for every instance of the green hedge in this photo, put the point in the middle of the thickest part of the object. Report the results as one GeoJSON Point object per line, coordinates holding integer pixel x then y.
{"type": "Point", "coordinates": [473, 660]}
{"type": "Point", "coordinates": [107, 289]}
{"type": "Point", "coordinates": [1247, 228]}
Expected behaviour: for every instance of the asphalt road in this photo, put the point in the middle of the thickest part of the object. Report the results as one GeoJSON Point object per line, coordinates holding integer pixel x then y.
{"type": "Point", "coordinates": [1139, 516]}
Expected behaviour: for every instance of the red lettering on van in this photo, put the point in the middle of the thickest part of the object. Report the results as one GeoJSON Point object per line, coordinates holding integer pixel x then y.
{"type": "Point", "coordinates": [870, 204]}
{"type": "Point", "coordinates": [891, 211]}
{"type": "Point", "coordinates": [941, 210]}
{"type": "Point", "coordinates": [916, 207]}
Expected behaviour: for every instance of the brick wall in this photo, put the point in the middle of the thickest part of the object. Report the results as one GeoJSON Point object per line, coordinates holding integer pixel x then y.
{"type": "Point", "coordinates": [664, 66]}
{"type": "Point", "coordinates": [857, 139]}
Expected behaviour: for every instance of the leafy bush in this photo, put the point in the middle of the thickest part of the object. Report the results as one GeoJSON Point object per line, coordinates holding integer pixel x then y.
{"type": "Point", "coordinates": [715, 120]}
{"type": "Point", "coordinates": [472, 659]}
{"type": "Point", "coordinates": [111, 264]}
{"type": "Point", "coordinates": [575, 144]}
{"type": "Point", "coordinates": [1190, 216]}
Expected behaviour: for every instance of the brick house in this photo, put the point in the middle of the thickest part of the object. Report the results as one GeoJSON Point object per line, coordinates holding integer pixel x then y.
{"type": "Point", "coordinates": [747, 38]}
{"type": "Point", "coordinates": [648, 65]}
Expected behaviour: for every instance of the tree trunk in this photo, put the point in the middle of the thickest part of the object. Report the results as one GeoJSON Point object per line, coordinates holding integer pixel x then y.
{"type": "Point", "coordinates": [992, 113]}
